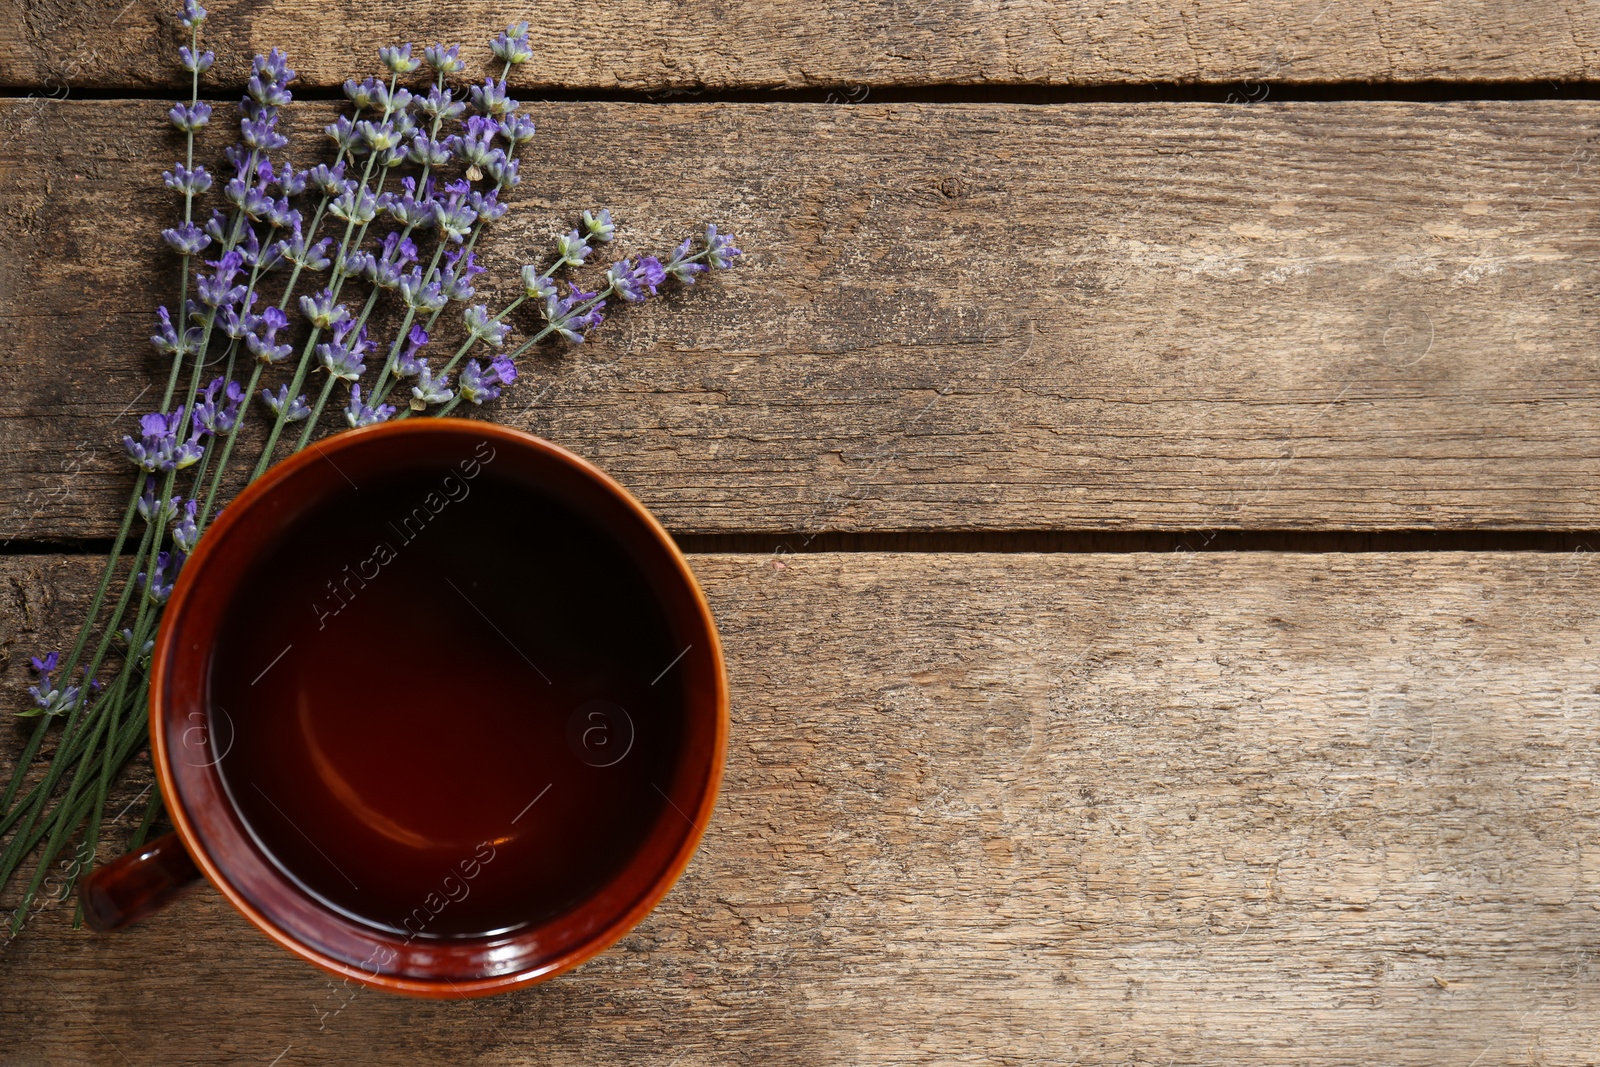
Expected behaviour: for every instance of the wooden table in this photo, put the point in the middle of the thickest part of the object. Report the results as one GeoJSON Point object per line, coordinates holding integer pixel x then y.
{"type": "Point", "coordinates": [1142, 469]}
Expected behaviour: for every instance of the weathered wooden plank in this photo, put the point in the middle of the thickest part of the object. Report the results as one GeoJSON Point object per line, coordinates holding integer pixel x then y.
{"type": "Point", "coordinates": [1244, 808]}
{"type": "Point", "coordinates": [1327, 316]}
{"type": "Point", "coordinates": [654, 45]}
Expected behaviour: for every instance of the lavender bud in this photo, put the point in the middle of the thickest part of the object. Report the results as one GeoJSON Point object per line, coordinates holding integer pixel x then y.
{"type": "Point", "coordinates": [512, 45]}
{"type": "Point", "coordinates": [189, 182]}
{"type": "Point", "coordinates": [719, 248]}
{"type": "Point", "coordinates": [516, 129]}
{"type": "Point", "coordinates": [190, 117]}
{"type": "Point", "coordinates": [490, 98]}
{"type": "Point", "coordinates": [185, 532]}
{"type": "Point", "coordinates": [195, 64]}
{"type": "Point", "coordinates": [438, 104]}
{"type": "Point", "coordinates": [321, 311]}
{"type": "Point", "coordinates": [536, 286]}
{"type": "Point", "coordinates": [289, 410]}
{"type": "Point", "coordinates": [483, 328]}
{"type": "Point", "coordinates": [398, 59]}
{"type": "Point", "coordinates": [444, 60]}
{"type": "Point", "coordinates": [193, 15]}
{"type": "Point", "coordinates": [358, 414]}
{"type": "Point", "coordinates": [187, 238]}
{"type": "Point", "coordinates": [430, 390]}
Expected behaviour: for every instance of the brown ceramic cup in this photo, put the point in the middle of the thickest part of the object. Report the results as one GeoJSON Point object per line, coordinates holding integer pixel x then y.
{"type": "Point", "coordinates": [212, 837]}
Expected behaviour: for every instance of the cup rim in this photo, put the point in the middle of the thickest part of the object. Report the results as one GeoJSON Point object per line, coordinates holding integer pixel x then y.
{"type": "Point", "coordinates": [160, 704]}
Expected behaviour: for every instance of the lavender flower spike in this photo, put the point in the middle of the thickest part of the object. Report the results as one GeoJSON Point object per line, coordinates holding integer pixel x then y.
{"type": "Point", "coordinates": [193, 15]}
{"type": "Point", "coordinates": [185, 532]}
{"type": "Point", "coordinates": [47, 699]}
{"type": "Point", "coordinates": [479, 384]}
{"type": "Point", "coordinates": [398, 59]}
{"type": "Point", "coordinates": [168, 564]}
{"type": "Point", "coordinates": [512, 46]}
{"type": "Point", "coordinates": [158, 448]}
{"type": "Point", "coordinates": [407, 365]}
{"type": "Point", "coordinates": [719, 248]}
{"type": "Point", "coordinates": [289, 410]}
{"type": "Point", "coordinates": [444, 60]}
{"type": "Point", "coordinates": [599, 227]}
{"type": "Point", "coordinates": [482, 327]}
{"type": "Point", "coordinates": [321, 311]}
{"type": "Point", "coordinates": [358, 414]}
{"type": "Point", "coordinates": [636, 282]}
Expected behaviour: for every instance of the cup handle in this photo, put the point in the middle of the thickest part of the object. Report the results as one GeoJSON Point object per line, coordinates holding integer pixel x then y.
{"type": "Point", "coordinates": [130, 887]}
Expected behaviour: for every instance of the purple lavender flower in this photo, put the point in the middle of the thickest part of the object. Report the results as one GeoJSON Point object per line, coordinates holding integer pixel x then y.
{"type": "Point", "coordinates": [360, 93]}
{"type": "Point", "coordinates": [407, 365]}
{"type": "Point", "coordinates": [47, 699]}
{"type": "Point", "coordinates": [487, 205]}
{"type": "Point", "coordinates": [406, 207]}
{"type": "Point", "coordinates": [295, 250]}
{"type": "Point", "coordinates": [490, 98]}
{"type": "Point", "coordinates": [262, 337]}
{"type": "Point", "coordinates": [455, 279]}
{"type": "Point", "coordinates": [420, 294]}
{"type": "Point", "coordinates": [218, 289]}
{"type": "Point", "coordinates": [186, 238]}
{"type": "Point", "coordinates": [719, 248]}
{"type": "Point", "coordinates": [185, 532]}
{"type": "Point", "coordinates": [262, 134]}
{"type": "Point", "coordinates": [267, 90]}
{"type": "Point", "coordinates": [329, 180]}
{"type": "Point", "coordinates": [167, 339]}
{"type": "Point", "coordinates": [481, 327]}
{"type": "Point", "coordinates": [193, 63]}
{"type": "Point", "coordinates": [193, 15]}
{"type": "Point", "coordinates": [190, 117]}
{"type": "Point", "coordinates": [398, 59]}
{"type": "Point", "coordinates": [183, 180]}
{"type": "Point", "coordinates": [378, 136]}
{"type": "Point", "coordinates": [572, 249]}
{"type": "Point", "coordinates": [430, 390]}
{"type": "Point", "coordinates": [516, 129]}
{"type": "Point", "coordinates": [635, 282]}
{"type": "Point", "coordinates": [218, 410]}
{"type": "Point", "coordinates": [454, 219]}
{"type": "Point", "coordinates": [535, 285]}
{"type": "Point", "coordinates": [168, 564]}
{"type": "Point", "coordinates": [158, 448]}
{"type": "Point", "coordinates": [428, 152]}
{"type": "Point", "coordinates": [151, 510]}
{"type": "Point", "coordinates": [564, 317]}
{"type": "Point", "coordinates": [476, 145]}
{"type": "Point", "coordinates": [236, 320]}
{"type": "Point", "coordinates": [358, 414]}
{"type": "Point", "coordinates": [440, 104]}
{"type": "Point", "coordinates": [280, 404]}
{"type": "Point", "coordinates": [502, 169]}
{"type": "Point", "coordinates": [354, 205]}
{"type": "Point", "coordinates": [512, 45]}
{"type": "Point", "coordinates": [680, 266]}
{"type": "Point", "coordinates": [321, 310]}
{"type": "Point", "coordinates": [342, 132]}
{"type": "Point", "coordinates": [344, 360]}
{"type": "Point", "coordinates": [479, 384]}
{"type": "Point", "coordinates": [292, 182]}
{"type": "Point", "coordinates": [444, 60]}
{"type": "Point", "coordinates": [599, 227]}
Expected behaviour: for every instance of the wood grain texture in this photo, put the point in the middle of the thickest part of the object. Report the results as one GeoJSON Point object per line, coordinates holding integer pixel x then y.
{"type": "Point", "coordinates": [1243, 808]}
{"type": "Point", "coordinates": [1324, 316]}
{"type": "Point", "coordinates": [657, 45]}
